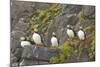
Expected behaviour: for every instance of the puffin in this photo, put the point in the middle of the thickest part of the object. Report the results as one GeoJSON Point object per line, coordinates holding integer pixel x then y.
{"type": "Point", "coordinates": [70, 32]}
{"type": "Point", "coordinates": [24, 42]}
{"type": "Point", "coordinates": [81, 34]}
{"type": "Point", "coordinates": [36, 37]}
{"type": "Point", "coordinates": [54, 40]}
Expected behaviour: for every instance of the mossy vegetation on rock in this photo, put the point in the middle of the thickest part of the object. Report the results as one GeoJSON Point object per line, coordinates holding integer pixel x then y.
{"type": "Point", "coordinates": [65, 52]}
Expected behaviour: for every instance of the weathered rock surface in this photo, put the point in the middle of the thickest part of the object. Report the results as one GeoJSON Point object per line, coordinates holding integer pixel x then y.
{"type": "Point", "coordinates": [40, 53]}
{"type": "Point", "coordinates": [71, 9]}
{"type": "Point", "coordinates": [36, 55]}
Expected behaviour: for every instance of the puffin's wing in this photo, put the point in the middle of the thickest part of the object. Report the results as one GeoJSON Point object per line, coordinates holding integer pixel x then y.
{"type": "Point", "coordinates": [58, 41]}
{"type": "Point", "coordinates": [32, 41]}
{"type": "Point", "coordinates": [84, 34]}
{"type": "Point", "coordinates": [42, 40]}
{"type": "Point", "coordinates": [75, 34]}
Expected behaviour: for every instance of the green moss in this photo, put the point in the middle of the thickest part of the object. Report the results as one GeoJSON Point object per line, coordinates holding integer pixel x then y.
{"type": "Point", "coordinates": [54, 60]}
{"type": "Point", "coordinates": [61, 58]}
{"type": "Point", "coordinates": [79, 16]}
{"type": "Point", "coordinates": [42, 19]}
{"type": "Point", "coordinates": [92, 50]}
{"type": "Point", "coordinates": [90, 40]}
{"type": "Point", "coordinates": [65, 53]}
{"type": "Point", "coordinates": [65, 49]}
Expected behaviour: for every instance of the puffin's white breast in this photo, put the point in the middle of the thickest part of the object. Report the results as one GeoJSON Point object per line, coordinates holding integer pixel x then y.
{"type": "Point", "coordinates": [54, 41]}
{"type": "Point", "coordinates": [25, 43]}
{"type": "Point", "coordinates": [37, 39]}
{"type": "Point", "coordinates": [70, 33]}
{"type": "Point", "coordinates": [81, 35]}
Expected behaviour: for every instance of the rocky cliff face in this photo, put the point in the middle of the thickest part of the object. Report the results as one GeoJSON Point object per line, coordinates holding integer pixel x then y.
{"type": "Point", "coordinates": [48, 18]}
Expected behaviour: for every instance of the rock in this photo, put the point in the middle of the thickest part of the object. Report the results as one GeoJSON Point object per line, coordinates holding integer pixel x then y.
{"type": "Point", "coordinates": [34, 55]}
{"type": "Point", "coordinates": [42, 6]}
{"type": "Point", "coordinates": [45, 53]}
{"type": "Point", "coordinates": [88, 10]}
{"type": "Point", "coordinates": [28, 62]}
{"type": "Point", "coordinates": [13, 58]}
{"type": "Point", "coordinates": [41, 53]}
{"type": "Point", "coordinates": [42, 62]}
{"type": "Point", "coordinates": [21, 27]}
{"type": "Point", "coordinates": [14, 64]}
{"type": "Point", "coordinates": [28, 52]}
{"type": "Point", "coordinates": [23, 6]}
{"type": "Point", "coordinates": [72, 20]}
{"type": "Point", "coordinates": [18, 53]}
{"type": "Point", "coordinates": [14, 44]}
{"type": "Point", "coordinates": [71, 9]}
{"type": "Point", "coordinates": [84, 56]}
{"type": "Point", "coordinates": [16, 34]}
{"type": "Point", "coordinates": [87, 21]}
